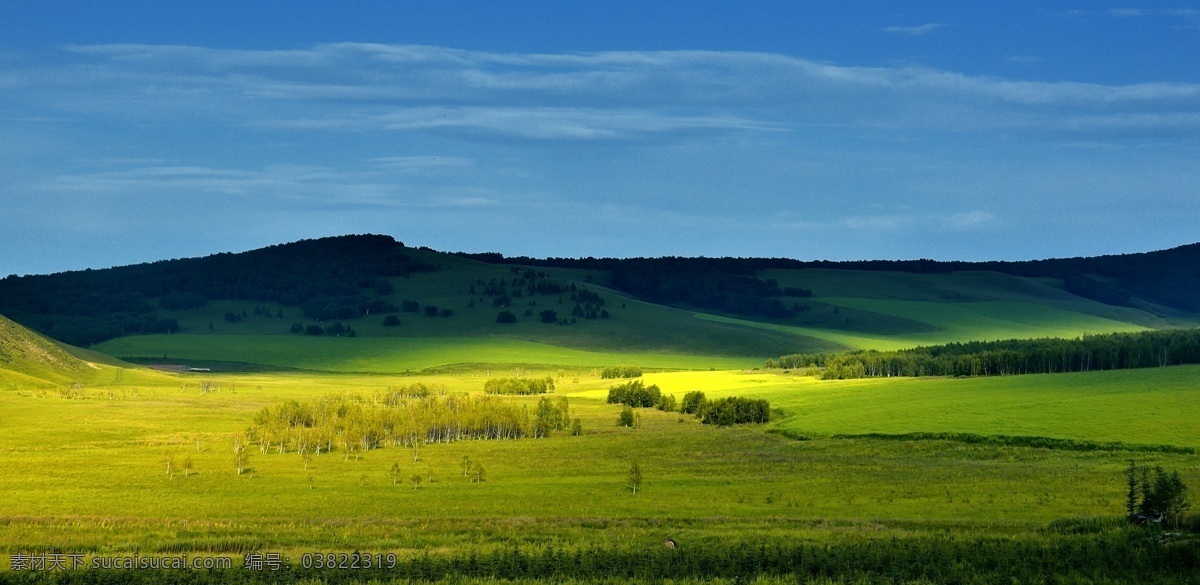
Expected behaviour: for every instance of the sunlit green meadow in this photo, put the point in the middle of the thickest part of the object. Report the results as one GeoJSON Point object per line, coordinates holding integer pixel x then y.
{"type": "Point", "coordinates": [390, 354]}
{"type": "Point", "coordinates": [85, 468]}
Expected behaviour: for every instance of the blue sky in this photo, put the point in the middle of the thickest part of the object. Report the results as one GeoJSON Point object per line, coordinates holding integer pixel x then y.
{"type": "Point", "coordinates": [138, 131]}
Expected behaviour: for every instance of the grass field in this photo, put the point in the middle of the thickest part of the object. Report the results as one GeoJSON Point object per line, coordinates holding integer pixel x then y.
{"type": "Point", "coordinates": [392, 354]}
{"type": "Point", "coordinates": [93, 477]}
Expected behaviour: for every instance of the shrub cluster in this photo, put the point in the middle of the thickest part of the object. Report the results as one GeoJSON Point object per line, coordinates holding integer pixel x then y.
{"type": "Point", "coordinates": [734, 410]}
{"type": "Point", "coordinates": [1155, 495]}
{"type": "Point", "coordinates": [620, 372]}
{"type": "Point", "coordinates": [635, 393]}
{"type": "Point", "coordinates": [520, 386]}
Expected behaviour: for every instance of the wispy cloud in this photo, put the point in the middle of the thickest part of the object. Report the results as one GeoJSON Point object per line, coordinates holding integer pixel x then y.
{"type": "Point", "coordinates": [1126, 12]}
{"type": "Point", "coordinates": [967, 220]}
{"type": "Point", "coordinates": [876, 222]}
{"type": "Point", "coordinates": [913, 31]}
{"type": "Point", "coordinates": [608, 96]}
{"type": "Point", "coordinates": [1190, 16]}
{"type": "Point", "coordinates": [415, 164]}
{"type": "Point", "coordinates": [380, 185]}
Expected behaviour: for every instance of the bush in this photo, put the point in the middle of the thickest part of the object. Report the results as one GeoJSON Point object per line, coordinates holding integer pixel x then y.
{"type": "Point", "coordinates": [625, 419]}
{"type": "Point", "coordinates": [548, 316]}
{"type": "Point", "coordinates": [735, 410]}
{"type": "Point", "coordinates": [506, 317]}
{"type": "Point", "coordinates": [634, 393]}
{"type": "Point", "coordinates": [667, 403]}
{"type": "Point", "coordinates": [314, 330]}
{"type": "Point", "coordinates": [391, 321]}
{"type": "Point", "coordinates": [693, 402]}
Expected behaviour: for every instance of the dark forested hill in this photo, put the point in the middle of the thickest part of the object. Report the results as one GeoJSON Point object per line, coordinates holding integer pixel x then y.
{"type": "Point", "coordinates": [1167, 277]}
{"type": "Point", "coordinates": [329, 278]}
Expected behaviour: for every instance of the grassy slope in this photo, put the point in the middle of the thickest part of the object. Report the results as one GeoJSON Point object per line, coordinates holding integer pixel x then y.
{"type": "Point", "coordinates": [28, 355]}
{"type": "Point", "coordinates": [392, 354]}
{"type": "Point", "coordinates": [667, 337]}
{"type": "Point", "coordinates": [702, 484]}
{"type": "Point", "coordinates": [891, 310]}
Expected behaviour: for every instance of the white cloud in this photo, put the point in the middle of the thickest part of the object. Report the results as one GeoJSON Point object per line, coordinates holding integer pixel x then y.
{"type": "Point", "coordinates": [913, 31]}
{"type": "Point", "coordinates": [967, 220]}
{"type": "Point", "coordinates": [414, 164]}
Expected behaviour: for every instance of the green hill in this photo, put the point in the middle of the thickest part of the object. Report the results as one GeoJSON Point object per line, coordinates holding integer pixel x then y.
{"type": "Point", "coordinates": [334, 304]}
{"type": "Point", "coordinates": [27, 356]}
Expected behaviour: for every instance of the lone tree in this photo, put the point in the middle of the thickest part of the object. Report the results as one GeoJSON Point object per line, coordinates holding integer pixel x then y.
{"type": "Point", "coordinates": [635, 477]}
{"type": "Point", "coordinates": [241, 452]}
{"type": "Point", "coordinates": [241, 459]}
{"type": "Point", "coordinates": [1131, 484]}
{"type": "Point", "coordinates": [625, 419]}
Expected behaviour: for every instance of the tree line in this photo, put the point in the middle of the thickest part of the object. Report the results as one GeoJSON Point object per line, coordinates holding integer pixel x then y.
{"type": "Point", "coordinates": [620, 372]}
{"type": "Point", "coordinates": [1111, 351]}
{"type": "Point", "coordinates": [700, 283]}
{"type": "Point", "coordinates": [406, 417]}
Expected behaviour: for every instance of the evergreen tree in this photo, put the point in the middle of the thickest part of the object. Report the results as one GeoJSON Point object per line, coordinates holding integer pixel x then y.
{"type": "Point", "coordinates": [1131, 493]}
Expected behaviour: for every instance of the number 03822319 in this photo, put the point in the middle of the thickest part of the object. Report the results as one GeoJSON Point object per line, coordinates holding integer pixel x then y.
{"type": "Point", "coordinates": [348, 561]}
